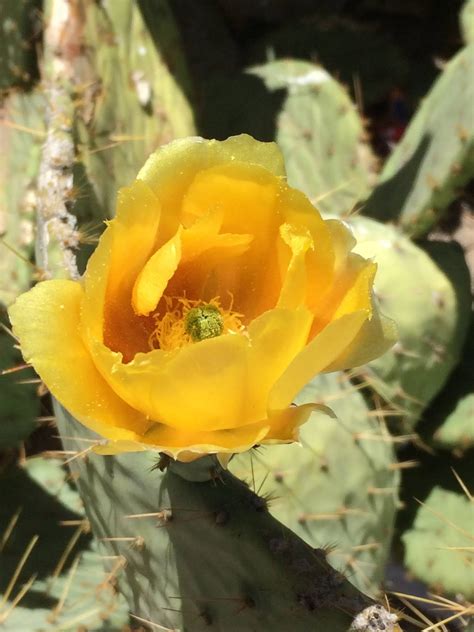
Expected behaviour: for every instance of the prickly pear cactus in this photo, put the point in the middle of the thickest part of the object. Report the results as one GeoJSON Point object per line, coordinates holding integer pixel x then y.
{"type": "Point", "coordinates": [431, 312]}
{"type": "Point", "coordinates": [20, 405]}
{"type": "Point", "coordinates": [457, 432]}
{"type": "Point", "coordinates": [438, 549]}
{"type": "Point", "coordinates": [20, 142]}
{"type": "Point", "coordinates": [448, 421]}
{"type": "Point", "coordinates": [436, 155]}
{"type": "Point", "coordinates": [130, 103]}
{"type": "Point", "coordinates": [167, 528]}
{"type": "Point", "coordinates": [20, 27]}
{"type": "Point", "coordinates": [62, 585]}
{"type": "Point", "coordinates": [467, 21]}
{"type": "Point", "coordinates": [338, 489]}
{"type": "Point", "coordinates": [321, 135]}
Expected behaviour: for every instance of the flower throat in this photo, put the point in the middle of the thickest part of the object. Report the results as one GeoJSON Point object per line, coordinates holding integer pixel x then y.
{"type": "Point", "coordinates": [187, 321]}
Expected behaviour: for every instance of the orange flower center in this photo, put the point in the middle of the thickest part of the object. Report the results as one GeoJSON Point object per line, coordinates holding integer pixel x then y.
{"type": "Point", "coordinates": [187, 321]}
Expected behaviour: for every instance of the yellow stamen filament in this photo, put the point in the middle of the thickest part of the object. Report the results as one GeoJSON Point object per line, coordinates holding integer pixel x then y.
{"type": "Point", "coordinates": [172, 329]}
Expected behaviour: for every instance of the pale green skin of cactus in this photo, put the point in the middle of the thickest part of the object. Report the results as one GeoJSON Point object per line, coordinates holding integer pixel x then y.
{"type": "Point", "coordinates": [466, 19]}
{"type": "Point", "coordinates": [141, 99]}
{"type": "Point", "coordinates": [457, 431]}
{"type": "Point", "coordinates": [212, 556]}
{"type": "Point", "coordinates": [19, 164]}
{"type": "Point", "coordinates": [444, 520]}
{"type": "Point", "coordinates": [20, 405]}
{"type": "Point", "coordinates": [333, 489]}
{"type": "Point", "coordinates": [430, 311]}
{"type": "Point", "coordinates": [320, 134]}
{"type": "Point", "coordinates": [435, 156]}
{"type": "Point", "coordinates": [19, 24]}
{"type": "Point", "coordinates": [41, 490]}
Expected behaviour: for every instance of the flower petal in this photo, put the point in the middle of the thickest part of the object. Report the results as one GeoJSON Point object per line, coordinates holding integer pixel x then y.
{"type": "Point", "coordinates": [375, 337]}
{"type": "Point", "coordinates": [247, 196]}
{"type": "Point", "coordinates": [350, 291]}
{"type": "Point", "coordinates": [319, 354]}
{"type": "Point", "coordinates": [172, 168]}
{"type": "Point", "coordinates": [285, 424]}
{"type": "Point", "coordinates": [294, 290]}
{"type": "Point", "coordinates": [155, 275]}
{"type": "Point", "coordinates": [46, 319]}
{"type": "Point", "coordinates": [235, 372]}
{"type": "Point", "coordinates": [276, 338]}
{"type": "Point", "coordinates": [199, 387]}
{"type": "Point", "coordinates": [303, 217]}
{"type": "Point", "coordinates": [123, 249]}
{"type": "Point", "coordinates": [359, 294]}
{"type": "Point", "coordinates": [189, 445]}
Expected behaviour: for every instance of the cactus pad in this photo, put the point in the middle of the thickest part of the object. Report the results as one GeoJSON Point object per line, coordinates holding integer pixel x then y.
{"type": "Point", "coordinates": [40, 497]}
{"type": "Point", "coordinates": [337, 488]}
{"type": "Point", "coordinates": [436, 155]}
{"type": "Point", "coordinates": [430, 312]}
{"type": "Point", "coordinates": [438, 549]}
{"type": "Point", "coordinates": [263, 577]}
{"type": "Point", "coordinates": [321, 135]}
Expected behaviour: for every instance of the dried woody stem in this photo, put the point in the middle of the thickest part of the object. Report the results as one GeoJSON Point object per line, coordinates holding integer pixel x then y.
{"type": "Point", "coordinates": [63, 59]}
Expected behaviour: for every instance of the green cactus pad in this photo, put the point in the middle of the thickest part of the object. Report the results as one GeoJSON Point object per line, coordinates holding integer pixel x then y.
{"type": "Point", "coordinates": [430, 311]}
{"type": "Point", "coordinates": [337, 488]}
{"type": "Point", "coordinates": [458, 429]}
{"type": "Point", "coordinates": [321, 135]}
{"type": "Point", "coordinates": [20, 405]}
{"type": "Point", "coordinates": [438, 549]}
{"type": "Point", "coordinates": [21, 140]}
{"type": "Point", "coordinates": [19, 31]}
{"type": "Point", "coordinates": [467, 21]}
{"type": "Point", "coordinates": [79, 595]}
{"type": "Point", "coordinates": [208, 554]}
{"type": "Point", "coordinates": [448, 423]}
{"type": "Point", "coordinates": [436, 155]}
{"type": "Point", "coordinates": [138, 107]}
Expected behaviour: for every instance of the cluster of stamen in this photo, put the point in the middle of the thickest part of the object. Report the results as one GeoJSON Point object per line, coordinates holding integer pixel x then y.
{"type": "Point", "coordinates": [182, 321]}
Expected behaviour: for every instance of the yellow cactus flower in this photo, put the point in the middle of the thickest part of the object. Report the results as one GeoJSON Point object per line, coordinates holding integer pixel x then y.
{"type": "Point", "coordinates": [215, 294]}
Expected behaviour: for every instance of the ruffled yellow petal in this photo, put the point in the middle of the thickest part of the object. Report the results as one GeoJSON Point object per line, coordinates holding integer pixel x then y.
{"type": "Point", "coordinates": [343, 241]}
{"type": "Point", "coordinates": [294, 290]}
{"type": "Point", "coordinates": [123, 249]}
{"type": "Point", "coordinates": [172, 168]}
{"type": "Point", "coordinates": [246, 196]}
{"type": "Point", "coordinates": [189, 445]}
{"type": "Point", "coordinates": [359, 295]}
{"type": "Point", "coordinates": [300, 214]}
{"type": "Point", "coordinates": [199, 387]}
{"type": "Point", "coordinates": [203, 230]}
{"type": "Point", "coordinates": [375, 337]}
{"type": "Point", "coordinates": [320, 353]}
{"type": "Point", "coordinates": [276, 338]}
{"type": "Point", "coordinates": [200, 278]}
{"type": "Point", "coordinates": [215, 384]}
{"type": "Point", "coordinates": [155, 275]}
{"type": "Point", "coordinates": [285, 424]}
{"type": "Point", "coordinates": [349, 291]}
{"type": "Point", "coordinates": [46, 321]}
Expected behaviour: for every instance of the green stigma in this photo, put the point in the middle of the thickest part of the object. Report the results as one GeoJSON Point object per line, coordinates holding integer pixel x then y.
{"type": "Point", "coordinates": [204, 322]}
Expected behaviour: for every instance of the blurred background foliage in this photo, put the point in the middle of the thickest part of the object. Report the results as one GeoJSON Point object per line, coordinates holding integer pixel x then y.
{"type": "Point", "coordinates": [371, 102]}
